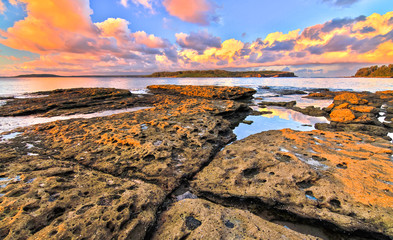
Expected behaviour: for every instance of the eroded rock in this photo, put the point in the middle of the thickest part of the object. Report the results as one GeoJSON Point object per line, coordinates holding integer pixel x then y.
{"type": "Point", "coordinates": [47, 199]}
{"type": "Point", "coordinates": [201, 219]}
{"type": "Point", "coordinates": [340, 178]}
{"type": "Point", "coordinates": [212, 92]}
{"type": "Point", "coordinates": [104, 178]}
{"type": "Point", "coordinates": [71, 101]}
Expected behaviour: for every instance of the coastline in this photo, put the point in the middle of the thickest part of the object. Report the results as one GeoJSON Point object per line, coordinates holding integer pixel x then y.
{"type": "Point", "coordinates": [154, 157]}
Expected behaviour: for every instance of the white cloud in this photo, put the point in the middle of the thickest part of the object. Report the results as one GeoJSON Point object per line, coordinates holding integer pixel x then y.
{"type": "Point", "coordinates": [145, 3]}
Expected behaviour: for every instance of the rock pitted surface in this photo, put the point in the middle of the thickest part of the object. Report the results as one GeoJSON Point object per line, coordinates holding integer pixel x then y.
{"type": "Point", "coordinates": [337, 178]}
{"type": "Point", "coordinates": [201, 219]}
{"type": "Point", "coordinates": [212, 92]}
{"type": "Point", "coordinates": [358, 112]}
{"type": "Point", "coordinates": [117, 177]}
{"type": "Point", "coordinates": [70, 101]}
{"type": "Point", "coordinates": [53, 199]}
{"type": "Point", "coordinates": [104, 178]}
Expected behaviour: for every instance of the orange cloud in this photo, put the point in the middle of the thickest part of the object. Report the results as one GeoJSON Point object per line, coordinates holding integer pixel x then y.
{"type": "Point", "coordinates": [195, 11]}
{"type": "Point", "coordinates": [55, 25]}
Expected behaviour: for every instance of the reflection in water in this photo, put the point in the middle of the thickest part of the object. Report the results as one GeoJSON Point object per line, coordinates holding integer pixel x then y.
{"type": "Point", "coordinates": [300, 100]}
{"type": "Point", "coordinates": [279, 119]}
{"type": "Point", "coordinates": [11, 123]}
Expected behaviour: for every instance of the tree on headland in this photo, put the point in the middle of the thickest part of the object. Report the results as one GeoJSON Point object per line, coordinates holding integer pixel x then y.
{"type": "Point", "coordinates": [375, 71]}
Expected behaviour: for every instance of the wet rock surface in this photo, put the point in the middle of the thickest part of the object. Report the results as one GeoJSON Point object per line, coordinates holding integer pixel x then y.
{"type": "Point", "coordinates": [212, 92]}
{"type": "Point", "coordinates": [350, 111]}
{"type": "Point", "coordinates": [341, 180]}
{"type": "Point", "coordinates": [201, 219]}
{"type": "Point", "coordinates": [71, 101]}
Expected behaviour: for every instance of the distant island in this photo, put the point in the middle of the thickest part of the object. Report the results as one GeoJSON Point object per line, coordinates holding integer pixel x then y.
{"type": "Point", "coordinates": [182, 74]}
{"type": "Point", "coordinates": [221, 74]}
{"type": "Point", "coordinates": [375, 71]}
{"type": "Point", "coordinates": [37, 75]}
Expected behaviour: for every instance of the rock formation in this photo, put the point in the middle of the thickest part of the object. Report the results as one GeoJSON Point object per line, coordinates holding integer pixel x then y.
{"type": "Point", "coordinates": [335, 178]}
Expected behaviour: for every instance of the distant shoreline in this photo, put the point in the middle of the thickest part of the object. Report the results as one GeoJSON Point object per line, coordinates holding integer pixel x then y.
{"type": "Point", "coordinates": [178, 74]}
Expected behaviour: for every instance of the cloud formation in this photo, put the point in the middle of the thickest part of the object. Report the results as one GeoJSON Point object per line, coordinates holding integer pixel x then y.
{"type": "Point", "coordinates": [200, 12]}
{"type": "Point", "coordinates": [198, 41]}
{"type": "Point", "coordinates": [342, 3]}
{"type": "Point", "coordinates": [145, 3]}
{"type": "Point", "coordinates": [68, 41]}
{"type": "Point", "coordinates": [64, 35]}
{"type": "Point", "coordinates": [363, 39]}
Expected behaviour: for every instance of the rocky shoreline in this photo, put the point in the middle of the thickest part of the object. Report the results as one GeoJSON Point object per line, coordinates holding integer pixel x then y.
{"type": "Point", "coordinates": [170, 172]}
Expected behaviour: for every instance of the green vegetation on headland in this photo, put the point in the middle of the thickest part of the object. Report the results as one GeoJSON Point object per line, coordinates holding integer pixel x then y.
{"type": "Point", "coordinates": [184, 74]}
{"type": "Point", "coordinates": [222, 74]}
{"type": "Point", "coordinates": [375, 71]}
{"type": "Point", "coordinates": [37, 75]}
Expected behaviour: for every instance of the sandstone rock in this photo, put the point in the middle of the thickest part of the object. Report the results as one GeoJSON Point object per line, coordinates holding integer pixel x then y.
{"type": "Point", "coordinates": [212, 92]}
{"type": "Point", "coordinates": [342, 106]}
{"type": "Point", "coordinates": [364, 109]}
{"type": "Point", "coordinates": [280, 104]}
{"type": "Point", "coordinates": [311, 111]}
{"type": "Point", "coordinates": [201, 219]}
{"type": "Point", "coordinates": [329, 108]}
{"type": "Point", "coordinates": [340, 178]}
{"type": "Point", "coordinates": [70, 101]}
{"type": "Point", "coordinates": [351, 98]}
{"type": "Point", "coordinates": [321, 95]}
{"type": "Point", "coordinates": [47, 199]}
{"type": "Point", "coordinates": [109, 174]}
{"type": "Point", "coordinates": [342, 115]}
{"type": "Point", "coordinates": [354, 127]}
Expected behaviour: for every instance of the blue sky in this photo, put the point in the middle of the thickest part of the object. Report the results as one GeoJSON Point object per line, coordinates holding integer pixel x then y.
{"type": "Point", "coordinates": [190, 34]}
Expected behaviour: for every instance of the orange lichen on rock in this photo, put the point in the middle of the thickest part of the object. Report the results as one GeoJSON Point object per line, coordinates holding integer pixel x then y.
{"type": "Point", "coordinates": [363, 109]}
{"type": "Point", "coordinates": [215, 92]}
{"type": "Point", "coordinates": [341, 178]}
{"type": "Point", "coordinates": [342, 115]}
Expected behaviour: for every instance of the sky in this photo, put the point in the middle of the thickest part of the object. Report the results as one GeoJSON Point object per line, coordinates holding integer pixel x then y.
{"type": "Point", "coordinates": [313, 38]}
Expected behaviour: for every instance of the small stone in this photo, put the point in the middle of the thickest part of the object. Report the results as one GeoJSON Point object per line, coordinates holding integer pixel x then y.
{"type": "Point", "coordinates": [192, 223]}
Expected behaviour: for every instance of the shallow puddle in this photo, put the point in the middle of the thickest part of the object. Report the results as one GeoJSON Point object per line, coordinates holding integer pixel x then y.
{"type": "Point", "coordinates": [11, 123]}
{"type": "Point", "coordinates": [10, 136]}
{"type": "Point", "coordinates": [300, 100]}
{"type": "Point", "coordinates": [280, 118]}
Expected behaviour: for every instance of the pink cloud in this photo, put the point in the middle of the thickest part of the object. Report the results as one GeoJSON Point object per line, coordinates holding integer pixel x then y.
{"type": "Point", "coordinates": [150, 41]}
{"type": "Point", "coordinates": [2, 7]}
{"type": "Point", "coordinates": [195, 11]}
{"type": "Point", "coordinates": [49, 26]}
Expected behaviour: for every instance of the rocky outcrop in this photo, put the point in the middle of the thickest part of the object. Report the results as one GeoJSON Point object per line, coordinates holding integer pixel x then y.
{"type": "Point", "coordinates": [53, 199]}
{"type": "Point", "coordinates": [70, 101]}
{"type": "Point", "coordinates": [104, 178]}
{"type": "Point", "coordinates": [201, 219]}
{"type": "Point", "coordinates": [357, 111]}
{"type": "Point", "coordinates": [279, 104]}
{"type": "Point", "coordinates": [333, 178]}
{"type": "Point", "coordinates": [211, 92]}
